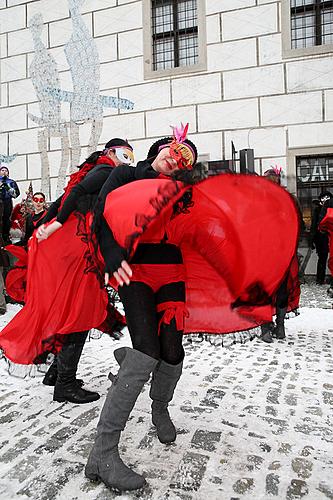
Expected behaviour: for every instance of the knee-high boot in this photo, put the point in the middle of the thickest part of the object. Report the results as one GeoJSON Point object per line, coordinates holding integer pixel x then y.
{"type": "Point", "coordinates": [165, 379]}
{"type": "Point", "coordinates": [67, 387]}
{"type": "Point", "coordinates": [104, 462]}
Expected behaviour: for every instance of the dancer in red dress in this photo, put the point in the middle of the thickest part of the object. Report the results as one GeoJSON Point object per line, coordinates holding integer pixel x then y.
{"type": "Point", "coordinates": [17, 276]}
{"type": "Point", "coordinates": [183, 258]}
{"type": "Point", "coordinates": [64, 295]}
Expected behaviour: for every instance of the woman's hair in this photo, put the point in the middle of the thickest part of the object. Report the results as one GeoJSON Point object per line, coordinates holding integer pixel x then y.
{"type": "Point", "coordinates": [40, 193]}
{"type": "Point", "coordinates": [116, 142]}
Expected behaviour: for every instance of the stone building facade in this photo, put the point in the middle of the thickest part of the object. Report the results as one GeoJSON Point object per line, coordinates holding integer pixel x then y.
{"type": "Point", "coordinates": [255, 73]}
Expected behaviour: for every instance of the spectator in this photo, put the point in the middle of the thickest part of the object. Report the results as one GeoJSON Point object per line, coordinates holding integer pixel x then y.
{"type": "Point", "coordinates": [34, 219]}
{"type": "Point", "coordinates": [319, 240]}
{"type": "Point", "coordinates": [3, 307]}
{"type": "Point", "coordinates": [8, 191]}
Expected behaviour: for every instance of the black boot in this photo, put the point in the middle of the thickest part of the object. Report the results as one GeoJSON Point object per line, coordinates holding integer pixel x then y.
{"type": "Point", "coordinates": [266, 332]}
{"type": "Point", "coordinates": [165, 379]}
{"type": "Point", "coordinates": [279, 331]}
{"type": "Point", "coordinates": [67, 388]}
{"type": "Point", "coordinates": [51, 375]}
{"type": "Point", "coordinates": [104, 462]}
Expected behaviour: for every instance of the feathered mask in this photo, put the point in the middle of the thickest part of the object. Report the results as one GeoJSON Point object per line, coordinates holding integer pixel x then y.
{"type": "Point", "coordinates": [180, 150]}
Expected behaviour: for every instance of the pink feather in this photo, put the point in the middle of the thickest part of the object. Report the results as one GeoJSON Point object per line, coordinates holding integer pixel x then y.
{"type": "Point", "coordinates": [180, 133]}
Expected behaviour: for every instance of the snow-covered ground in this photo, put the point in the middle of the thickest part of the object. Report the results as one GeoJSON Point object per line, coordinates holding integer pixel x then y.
{"type": "Point", "coordinates": [254, 421]}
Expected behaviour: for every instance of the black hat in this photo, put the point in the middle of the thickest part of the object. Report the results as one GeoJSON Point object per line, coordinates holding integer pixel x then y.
{"type": "Point", "coordinates": [154, 148]}
{"type": "Point", "coordinates": [116, 142]}
{"type": "Point", "coordinates": [5, 166]}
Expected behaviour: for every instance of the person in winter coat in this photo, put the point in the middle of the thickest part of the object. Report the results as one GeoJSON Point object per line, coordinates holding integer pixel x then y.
{"type": "Point", "coordinates": [8, 190]}
{"type": "Point", "coordinates": [319, 239]}
{"type": "Point", "coordinates": [326, 225]}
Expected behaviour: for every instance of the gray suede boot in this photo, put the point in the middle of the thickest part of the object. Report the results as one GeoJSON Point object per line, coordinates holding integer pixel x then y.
{"type": "Point", "coordinates": [104, 462]}
{"type": "Point", "coordinates": [279, 331]}
{"type": "Point", "coordinates": [165, 379]}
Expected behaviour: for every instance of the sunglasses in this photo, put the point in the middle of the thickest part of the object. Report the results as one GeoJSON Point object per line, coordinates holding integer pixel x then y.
{"type": "Point", "coordinates": [38, 199]}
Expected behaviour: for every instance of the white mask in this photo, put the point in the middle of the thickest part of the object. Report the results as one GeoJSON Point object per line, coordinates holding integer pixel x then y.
{"type": "Point", "coordinates": [124, 155]}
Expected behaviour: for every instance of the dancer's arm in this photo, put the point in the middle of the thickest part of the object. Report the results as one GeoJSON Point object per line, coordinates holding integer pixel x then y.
{"type": "Point", "coordinates": [92, 183]}
{"type": "Point", "coordinates": [114, 256]}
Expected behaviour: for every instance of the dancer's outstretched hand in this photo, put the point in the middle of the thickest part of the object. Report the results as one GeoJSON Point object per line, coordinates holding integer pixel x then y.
{"type": "Point", "coordinates": [43, 232]}
{"type": "Point", "coordinates": [122, 275]}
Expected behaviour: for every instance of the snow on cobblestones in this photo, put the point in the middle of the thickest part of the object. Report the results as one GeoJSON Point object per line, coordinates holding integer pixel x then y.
{"type": "Point", "coordinates": [254, 422]}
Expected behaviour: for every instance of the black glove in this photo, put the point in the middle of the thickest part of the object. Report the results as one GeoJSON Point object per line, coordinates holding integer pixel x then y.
{"type": "Point", "coordinates": [113, 253]}
{"type": "Point", "coordinates": [113, 258]}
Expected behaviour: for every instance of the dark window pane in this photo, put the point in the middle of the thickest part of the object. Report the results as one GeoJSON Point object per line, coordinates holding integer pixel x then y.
{"type": "Point", "coordinates": [187, 14]}
{"type": "Point", "coordinates": [327, 25]}
{"type": "Point", "coordinates": [163, 19]}
{"type": "Point", "coordinates": [188, 50]}
{"type": "Point", "coordinates": [311, 23]}
{"type": "Point", "coordinates": [164, 54]}
{"type": "Point", "coordinates": [175, 33]}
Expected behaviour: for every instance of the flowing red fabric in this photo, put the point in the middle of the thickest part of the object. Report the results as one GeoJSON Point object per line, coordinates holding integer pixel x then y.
{"type": "Point", "coordinates": [327, 225]}
{"type": "Point", "coordinates": [63, 295]}
{"type": "Point", "coordinates": [237, 241]}
{"type": "Point", "coordinates": [16, 278]}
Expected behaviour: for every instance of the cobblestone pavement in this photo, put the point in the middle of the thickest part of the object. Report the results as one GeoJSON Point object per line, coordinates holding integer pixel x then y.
{"type": "Point", "coordinates": [254, 421]}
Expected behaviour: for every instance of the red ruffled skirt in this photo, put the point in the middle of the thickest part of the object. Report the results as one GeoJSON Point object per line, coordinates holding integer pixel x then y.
{"type": "Point", "coordinates": [63, 295]}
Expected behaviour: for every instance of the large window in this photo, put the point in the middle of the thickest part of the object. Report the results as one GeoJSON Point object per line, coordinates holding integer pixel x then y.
{"type": "Point", "coordinates": [175, 38]}
{"type": "Point", "coordinates": [307, 27]}
{"type": "Point", "coordinates": [175, 33]}
{"type": "Point", "coordinates": [311, 23]}
{"type": "Point", "coordinates": [314, 174]}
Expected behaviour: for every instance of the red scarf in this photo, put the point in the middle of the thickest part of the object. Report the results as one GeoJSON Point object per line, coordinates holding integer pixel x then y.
{"type": "Point", "coordinates": [80, 175]}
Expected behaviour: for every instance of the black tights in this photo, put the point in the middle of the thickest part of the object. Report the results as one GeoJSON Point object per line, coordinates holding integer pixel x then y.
{"type": "Point", "coordinates": [142, 320]}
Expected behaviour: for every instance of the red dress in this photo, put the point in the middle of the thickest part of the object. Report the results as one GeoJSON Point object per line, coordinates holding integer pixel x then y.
{"type": "Point", "coordinates": [237, 242]}
{"type": "Point", "coordinates": [64, 294]}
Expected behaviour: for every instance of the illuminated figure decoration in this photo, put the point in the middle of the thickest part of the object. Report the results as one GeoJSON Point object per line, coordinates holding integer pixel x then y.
{"type": "Point", "coordinates": [6, 159]}
{"type": "Point", "coordinates": [82, 57]}
{"type": "Point", "coordinates": [86, 103]}
{"type": "Point", "coordinates": [44, 74]}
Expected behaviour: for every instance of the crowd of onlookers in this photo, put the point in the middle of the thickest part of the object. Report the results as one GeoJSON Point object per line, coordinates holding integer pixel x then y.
{"type": "Point", "coordinates": [17, 223]}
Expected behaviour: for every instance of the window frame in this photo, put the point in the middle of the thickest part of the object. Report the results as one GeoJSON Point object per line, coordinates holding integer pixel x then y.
{"type": "Point", "coordinates": [294, 153]}
{"type": "Point", "coordinates": [287, 50]}
{"type": "Point", "coordinates": [201, 65]}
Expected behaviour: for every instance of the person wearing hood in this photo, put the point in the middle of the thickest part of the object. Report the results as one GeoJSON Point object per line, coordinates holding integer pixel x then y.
{"type": "Point", "coordinates": [318, 239]}
{"type": "Point", "coordinates": [8, 191]}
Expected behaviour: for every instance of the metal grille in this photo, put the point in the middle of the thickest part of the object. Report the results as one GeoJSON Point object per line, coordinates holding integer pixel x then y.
{"type": "Point", "coordinates": [175, 33]}
{"type": "Point", "coordinates": [311, 23]}
{"type": "Point", "coordinates": [314, 175]}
